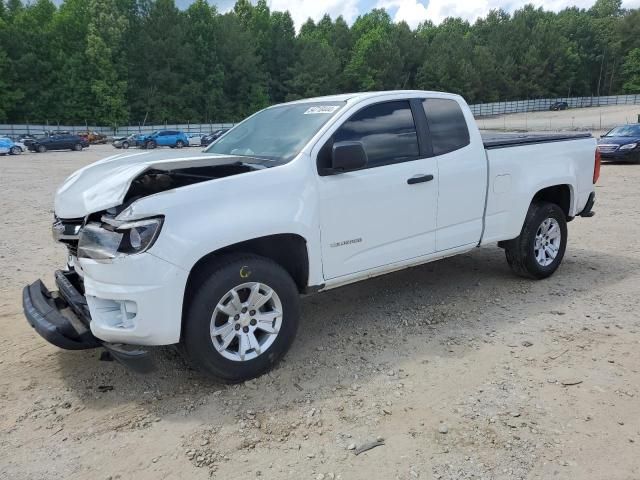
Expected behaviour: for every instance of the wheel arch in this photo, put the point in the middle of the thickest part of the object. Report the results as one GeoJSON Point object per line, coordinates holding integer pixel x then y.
{"type": "Point", "coordinates": [288, 250]}
{"type": "Point", "coordinates": [561, 195]}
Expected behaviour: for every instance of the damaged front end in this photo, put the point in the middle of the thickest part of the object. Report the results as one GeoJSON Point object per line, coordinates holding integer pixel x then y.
{"type": "Point", "coordinates": [93, 201]}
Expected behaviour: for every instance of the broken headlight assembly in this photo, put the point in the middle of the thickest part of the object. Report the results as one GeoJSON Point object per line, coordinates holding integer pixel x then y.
{"type": "Point", "coordinates": [113, 238]}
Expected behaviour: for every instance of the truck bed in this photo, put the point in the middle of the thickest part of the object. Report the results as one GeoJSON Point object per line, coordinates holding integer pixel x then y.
{"type": "Point", "coordinates": [503, 140]}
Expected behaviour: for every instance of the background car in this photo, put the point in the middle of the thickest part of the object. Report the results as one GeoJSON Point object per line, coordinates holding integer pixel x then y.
{"type": "Point", "coordinates": [58, 142]}
{"type": "Point", "coordinates": [4, 147]}
{"type": "Point", "coordinates": [559, 106]}
{"type": "Point", "coordinates": [125, 142]}
{"type": "Point", "coordinates": [165, 138]}
{"type": "Point", "coordinates": [213, 136]}
{"type": "Point", "coordinates": [29, 138]}
{"type": "Point", "coordinates": [93, 137]}
{"type": "Point", "coordinates": [621, 144]}
{"type": "Point", "coordinates": [14, 148]}
{"type": "Point", "coordinates": [195, 139]}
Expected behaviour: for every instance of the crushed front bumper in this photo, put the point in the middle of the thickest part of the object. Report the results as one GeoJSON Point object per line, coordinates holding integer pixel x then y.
{"type": "Point", "coordinates": [62, 318]}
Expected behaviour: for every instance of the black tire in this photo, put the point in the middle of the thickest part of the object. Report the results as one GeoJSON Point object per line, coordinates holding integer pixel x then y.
{"type": "Point", "coordinates": [41, 149]}
{"type": "Point", "coordinates": [125, 145]}
{"type": "Point", "coordinates": [15, 150]}
{"type": "Point", "coordinates": [179, 144]}
{"type": "Point", "coordinates": [521, 251]}
{"type": "Point", "coordinates": [150, 144]}
{"type": "Point", "coordinates": [77, 147]}
{"type": "Point", "coordinates": [221, 277]}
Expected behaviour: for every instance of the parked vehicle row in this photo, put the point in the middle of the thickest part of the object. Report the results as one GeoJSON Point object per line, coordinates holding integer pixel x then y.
{"type": "Point", "coordinates": [168, 138]}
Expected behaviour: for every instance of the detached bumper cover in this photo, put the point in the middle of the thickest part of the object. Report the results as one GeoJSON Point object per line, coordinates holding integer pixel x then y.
{"type": "Point", "coordinates": [62, 318]}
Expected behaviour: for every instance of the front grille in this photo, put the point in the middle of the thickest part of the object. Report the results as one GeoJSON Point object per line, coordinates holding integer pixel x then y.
{"type": "Point", "coordinates": [607, 148]}
{"type": "Point", "coordinates": [67, 231]}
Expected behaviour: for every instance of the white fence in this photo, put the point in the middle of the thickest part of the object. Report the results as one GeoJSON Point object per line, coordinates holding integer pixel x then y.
{"type": "Point", "coordinates": [540, 104]}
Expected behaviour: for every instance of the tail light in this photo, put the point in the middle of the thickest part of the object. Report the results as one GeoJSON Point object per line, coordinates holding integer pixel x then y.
{"type": "Point", "coordinates": [596, 167]}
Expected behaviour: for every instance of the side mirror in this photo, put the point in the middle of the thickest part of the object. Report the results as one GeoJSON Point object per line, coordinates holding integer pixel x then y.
{"type": "Point", "coordinates": [347, 156]}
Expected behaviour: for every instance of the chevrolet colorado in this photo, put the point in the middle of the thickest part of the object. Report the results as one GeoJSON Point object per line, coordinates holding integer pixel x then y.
{"type": "Point", "coordinates": [211, 250]}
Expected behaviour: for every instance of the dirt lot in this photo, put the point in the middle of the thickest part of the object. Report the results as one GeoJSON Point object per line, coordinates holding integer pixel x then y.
{"type": "Point", "coordinates": [463, 369]}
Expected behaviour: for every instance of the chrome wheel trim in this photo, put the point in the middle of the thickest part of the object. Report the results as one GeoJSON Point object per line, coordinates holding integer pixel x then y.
{"type": "Point", "coordinates": [246, 321]}
{"type": "Point", "coordinates": [547, 242]}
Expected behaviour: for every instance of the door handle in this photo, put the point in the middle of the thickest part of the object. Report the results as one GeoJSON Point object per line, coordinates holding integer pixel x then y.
{"type": "Point", "coordinates": [420, 179]}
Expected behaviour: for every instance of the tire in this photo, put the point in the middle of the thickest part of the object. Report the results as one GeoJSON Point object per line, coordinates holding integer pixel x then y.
{"type": "Point", "coordinates": [241, 272]}
{"type": "Point", "coordinates": [151, 144]}
{"type": "Point", "coordinates": [15, 150]}
{"type": "Point", "coordinates": [41, 149]}
{"type": "Point", "coordinates": [541, 224]}
{"type": "Point", "coordinates": [125, 145]}
{"type": "Point", "coordinates": [77, 147]}
{"type": "Point", "coordinates": [179, 144]}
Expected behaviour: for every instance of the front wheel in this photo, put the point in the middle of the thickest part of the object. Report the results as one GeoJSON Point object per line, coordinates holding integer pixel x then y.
{"type": "Point", "coordinates": [125, 145]}
{"type": "Point", "coordinates": [242, 318]}
{"type": "Point", "coordinates": [151, 144]}
{"type": "Point", "coordinates": [179, 144]}
{"type": "Point", "coordinates": [41, 149]}
{"type": "Point", "coordinates": [538, 251]}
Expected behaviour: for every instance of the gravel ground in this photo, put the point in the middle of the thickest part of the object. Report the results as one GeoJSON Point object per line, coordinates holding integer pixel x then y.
{"type": "Point", "coordinates": [459, 369]}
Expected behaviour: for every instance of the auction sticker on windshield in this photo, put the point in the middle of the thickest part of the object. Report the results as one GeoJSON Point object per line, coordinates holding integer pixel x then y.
{"type": "Point", "coordinates": [322, 109]}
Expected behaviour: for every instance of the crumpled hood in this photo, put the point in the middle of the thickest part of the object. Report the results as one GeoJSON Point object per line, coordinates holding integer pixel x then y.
{"type": "Point", "coordinates": [104, 184]}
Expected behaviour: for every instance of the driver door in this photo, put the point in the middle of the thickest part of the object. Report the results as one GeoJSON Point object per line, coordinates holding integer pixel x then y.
{"type": "Point", "coordinates": [386, 212]}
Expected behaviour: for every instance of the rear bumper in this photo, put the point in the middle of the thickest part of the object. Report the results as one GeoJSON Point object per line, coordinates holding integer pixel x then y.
{"type": "Point", "coordinates": [62, 318]}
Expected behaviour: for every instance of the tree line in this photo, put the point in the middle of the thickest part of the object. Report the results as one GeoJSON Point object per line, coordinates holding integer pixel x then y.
{"type": "Point", "coordinates": [113, 62]}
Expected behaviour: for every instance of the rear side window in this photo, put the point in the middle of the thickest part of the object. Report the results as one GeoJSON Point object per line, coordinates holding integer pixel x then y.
{"type": "Point", "coordinates": [386, 130]}
{"type": "Point", "coordinates": [447, 125]}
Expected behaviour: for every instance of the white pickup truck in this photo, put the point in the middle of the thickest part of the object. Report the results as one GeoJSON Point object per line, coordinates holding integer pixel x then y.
{"type": "Point", "coordinates": [211, 250]}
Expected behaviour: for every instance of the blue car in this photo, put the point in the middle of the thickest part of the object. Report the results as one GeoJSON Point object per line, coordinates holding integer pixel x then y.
{"type": "Point", "coordinates": [621, 144]}
{"type": "Point", "coordinates": [165, 138]}
{"type": "Point", "coordinates": [8, 146]}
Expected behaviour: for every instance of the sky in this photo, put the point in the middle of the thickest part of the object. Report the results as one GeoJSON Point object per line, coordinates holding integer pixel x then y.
{"type": "Point", "coordinates": [411, 11]}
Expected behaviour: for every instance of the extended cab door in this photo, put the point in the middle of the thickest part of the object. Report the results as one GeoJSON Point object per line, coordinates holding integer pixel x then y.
{"type": "Point", "coordinates": [385, 212]}
{"type": "Point", "coordinates": [462, 169]}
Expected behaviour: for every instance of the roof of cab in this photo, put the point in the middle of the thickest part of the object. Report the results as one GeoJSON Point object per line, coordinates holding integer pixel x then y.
{"type": "Point", "coordinates": [345, 97]}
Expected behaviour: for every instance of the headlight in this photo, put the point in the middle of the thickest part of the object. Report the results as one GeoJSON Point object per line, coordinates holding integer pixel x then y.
{"type": "Point", "coordinates": [116, 239]}
{"type": "Point", "coordinates": [629, 146]}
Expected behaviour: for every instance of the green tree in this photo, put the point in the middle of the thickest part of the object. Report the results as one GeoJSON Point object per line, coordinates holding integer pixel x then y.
{"type": "Point", "coordinates": [631, 69]}
{"type": "Point", "coordinates": [104, 50]}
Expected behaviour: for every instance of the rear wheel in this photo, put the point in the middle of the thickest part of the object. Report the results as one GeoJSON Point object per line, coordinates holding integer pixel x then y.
{"type": "Point", "coordinates": [77, 147]}
{"type": "Point", "coordinates": [538, 251]}
{"type": "Point", "coordinates": [15, 150]}
{"type": "Point", "coordinates": [242, 318]}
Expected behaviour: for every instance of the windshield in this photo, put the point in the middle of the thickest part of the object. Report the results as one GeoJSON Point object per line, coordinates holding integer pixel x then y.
{"type": "Point", "coordinates": [625, 131]}
{"type": "Point", "coordinates": [276, 133]}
